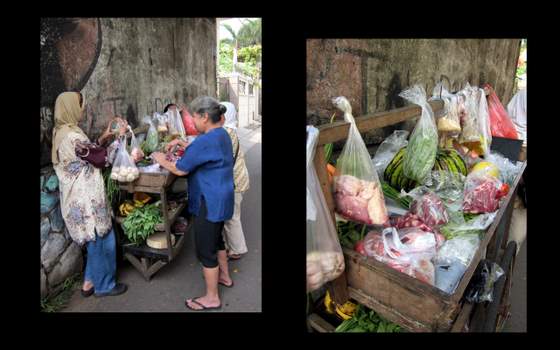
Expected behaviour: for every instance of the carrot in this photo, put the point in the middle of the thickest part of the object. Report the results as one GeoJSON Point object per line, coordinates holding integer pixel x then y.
{"type": "Point", "coordinates": [331, 169]}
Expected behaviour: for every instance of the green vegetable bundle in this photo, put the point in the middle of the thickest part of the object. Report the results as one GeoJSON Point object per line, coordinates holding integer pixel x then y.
{"type": "Point", "coordinates": [392, 193]}
{"type": "Point", "coordinates": [349, 233]}
{"type": "Point", "coordinates": [365, 320]}
{"type": "Point", "coordinates": [141, 223]}
{"type": "Point", "coordinates": [419, 160]}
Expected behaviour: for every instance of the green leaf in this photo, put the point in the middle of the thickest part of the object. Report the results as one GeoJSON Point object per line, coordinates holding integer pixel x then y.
{"type": "Point", "coordinates": [381, 327]}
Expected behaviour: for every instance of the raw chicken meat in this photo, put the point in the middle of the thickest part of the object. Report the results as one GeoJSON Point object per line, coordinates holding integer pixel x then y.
{"type": "Point", "coordinates": [360, 200]}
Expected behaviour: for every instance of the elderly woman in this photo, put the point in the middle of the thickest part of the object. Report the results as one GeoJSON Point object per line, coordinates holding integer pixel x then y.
{"type": "Point", "coordinates": [85, 209]}
{"type": "Point", "coordinates": [233, 230]}
{"type": "Point", "coordinates": [208, 162]}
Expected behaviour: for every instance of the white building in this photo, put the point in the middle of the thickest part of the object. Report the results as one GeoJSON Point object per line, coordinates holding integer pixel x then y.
{"type": "Point", "coordinates": [244, 93]}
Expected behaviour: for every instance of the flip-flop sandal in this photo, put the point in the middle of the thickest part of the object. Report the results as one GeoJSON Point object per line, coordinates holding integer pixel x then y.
{"type": "Point", "coordinates": [235, 257]}
{"type": "Point", "coordinates": [202, 306]}
{"type": "Point", "coordinates": [226, 285]}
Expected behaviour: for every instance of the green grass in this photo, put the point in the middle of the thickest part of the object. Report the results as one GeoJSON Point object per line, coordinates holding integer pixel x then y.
{"type": "Point", "coordinates": [57, 302]}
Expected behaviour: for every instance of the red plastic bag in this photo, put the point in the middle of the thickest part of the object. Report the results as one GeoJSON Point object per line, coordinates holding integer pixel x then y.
{"type": "Point", "coordinates": [500, 122]}
{"type": "Point", "coordinates": [188, 123]}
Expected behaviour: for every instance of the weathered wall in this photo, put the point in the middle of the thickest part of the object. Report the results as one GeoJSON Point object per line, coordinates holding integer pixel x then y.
{"type": "Point", "coordinates": [372, 72]}
{"type": "Point", "coordinates": [126, 66]}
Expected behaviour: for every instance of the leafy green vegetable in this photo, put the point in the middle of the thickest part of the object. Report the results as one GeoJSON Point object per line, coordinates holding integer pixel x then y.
{"type": "Point", "coordinates": [141, 223]}
{"type": "Point", "coordinates": [365, 320]}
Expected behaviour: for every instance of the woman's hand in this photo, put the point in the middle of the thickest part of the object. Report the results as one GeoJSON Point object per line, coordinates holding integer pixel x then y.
{"type": "Point", "coordinates": [123, 126]}
{"type": "Point", "coordinates": [172, 144]}
{"type": "Point", "coordinates": [158, 157]}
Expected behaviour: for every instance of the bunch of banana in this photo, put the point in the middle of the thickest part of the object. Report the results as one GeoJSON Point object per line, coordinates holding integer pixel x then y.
{"type": "Point", "coordinates": [344, 312]}
{"type": "Point", "coordinates": [126, 208]}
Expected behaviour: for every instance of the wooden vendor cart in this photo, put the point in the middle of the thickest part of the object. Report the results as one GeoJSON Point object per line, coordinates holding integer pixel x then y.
{"type": "Point", "coordinates": [417, 306]}
{"type": "Point", "coordinates": [145, 259]}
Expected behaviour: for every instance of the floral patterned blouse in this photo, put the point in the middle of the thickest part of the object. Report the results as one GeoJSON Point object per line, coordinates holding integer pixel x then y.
{"type": "Point", "coordinates": [82, 193]}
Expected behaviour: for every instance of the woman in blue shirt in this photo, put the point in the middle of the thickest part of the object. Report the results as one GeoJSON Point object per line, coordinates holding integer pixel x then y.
{"type": "Point", "coordinates": [208, 163]}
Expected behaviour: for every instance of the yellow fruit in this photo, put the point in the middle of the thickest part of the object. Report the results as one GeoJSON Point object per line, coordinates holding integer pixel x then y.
{"type": "Point", "coordinates": [329, 305]}
{"type": "Point", "coordinates": [487, 167]}
{"type": "Point", "coordinates": [340, 313]}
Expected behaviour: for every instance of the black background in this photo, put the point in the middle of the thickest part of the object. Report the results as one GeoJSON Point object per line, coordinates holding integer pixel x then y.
{"type": "Point", "coordinates": [285, 29]}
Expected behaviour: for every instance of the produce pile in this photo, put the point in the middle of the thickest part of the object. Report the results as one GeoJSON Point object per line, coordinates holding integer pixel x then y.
{"type": "Point", "coordinates": [450, 191]}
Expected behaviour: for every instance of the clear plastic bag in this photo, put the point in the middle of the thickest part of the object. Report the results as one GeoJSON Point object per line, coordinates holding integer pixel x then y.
{"type": "Point", "coordinates": [481, 287]}
{"type": "Point", "coordinates": [449, 121]}
{"type": "Point", "coordinates": [482, 193]}
{"type": "Point", "coordinates": [461, 248]}
{"type": "Point", "coordinates": [325, 260]}
{"type": "Point", "coordinates": [161, 121]}
{"type": "Point", "coordinates": [124, 169]}
{"type": "Point", "coordinates": [448, 186]}
{"type": "Point", "coordinates": [428, 207]}
{"type": "Point", "coordinates": [175, 123]}
{"type": "Point", "coordinates": [135, 150]}
{"type": "Point", "coordinates": [420, 156]}
{"type": "Point", "coordinates": [358, 193]}
{"type": "Point", "coordinates": [408, 250]}
{"type": "Point", "coordinates": [387, 150]}
{"type": "Point", "coordinates": [500, 122]}
{"type": "Point", "coordinates": [475, 121]}
{"type": "Point", "coordinates": [152, 137]}
{"type": "Point", "coordinates": [508, 169]}
{"type": "Point", "coordinates": [459, 227]}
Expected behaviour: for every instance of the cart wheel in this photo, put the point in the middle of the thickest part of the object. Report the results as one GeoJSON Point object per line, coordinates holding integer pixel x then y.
{"type": "Point", "coordinates": [498, 310]}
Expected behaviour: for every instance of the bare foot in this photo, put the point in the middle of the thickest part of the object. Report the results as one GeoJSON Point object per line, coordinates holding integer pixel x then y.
{"type": "Point", "coordinates": [225, 279]}
{"type": "Point", "coordinates": [201, 303]}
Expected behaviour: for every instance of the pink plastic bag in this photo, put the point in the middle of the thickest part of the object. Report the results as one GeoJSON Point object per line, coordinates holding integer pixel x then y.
{"type": "Point", "coordinates": [500, 122]}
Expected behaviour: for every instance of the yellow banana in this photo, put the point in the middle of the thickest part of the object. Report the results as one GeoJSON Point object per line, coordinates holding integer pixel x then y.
{"type": "Point", "coordinates": [329, 303]}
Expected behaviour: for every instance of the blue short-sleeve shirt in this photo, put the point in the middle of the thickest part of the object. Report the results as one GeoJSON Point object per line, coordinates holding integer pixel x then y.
{"type": "Point", "coordinates": [209, 162]}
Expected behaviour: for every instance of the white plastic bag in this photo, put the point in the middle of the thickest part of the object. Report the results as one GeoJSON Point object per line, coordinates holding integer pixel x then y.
{"type": "Point", "coordinates": [508, 169]}
{"type": "Point", "coordinates": [420, 155]}
{"type": "Point", "coordinates": [358, 193]}
{"type": "Point", "coordinates": [325, 260]}
{"type": "Point", "coordinates": [461, 248]}
{"type": "Point", "coordinates": [135, 150]}
{"type": "Point", "coordinates": [124, 169]}
{"type": "Point", "coordinates": [387, 150]}
{"type": "Point", "coordinates": [449, 121]}
{"type": "Point", "coordinates": [517, 110]}
{"type": "Point", "coordinates": [161, 120]}
{"type": "Point", "coordinates": [475, 120]}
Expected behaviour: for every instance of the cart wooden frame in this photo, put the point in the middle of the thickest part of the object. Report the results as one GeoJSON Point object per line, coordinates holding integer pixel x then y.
{"type": "Point", "coordinates": [416, 306]}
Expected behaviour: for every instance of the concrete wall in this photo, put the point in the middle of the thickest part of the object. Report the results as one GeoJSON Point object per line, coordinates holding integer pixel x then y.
{"type": "Point", "coordinates": [372, 72]}
{"type": "Point", "coordinates": [130, 67]}
{"type": "Point", "coordinates": [126, 66]}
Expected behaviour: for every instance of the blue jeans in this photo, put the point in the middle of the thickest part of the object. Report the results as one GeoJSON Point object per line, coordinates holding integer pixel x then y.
{"type": "Point", "coordinates": [101, 265]}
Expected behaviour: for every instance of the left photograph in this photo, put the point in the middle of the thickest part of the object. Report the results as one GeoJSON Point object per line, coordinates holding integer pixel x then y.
{"type": "Point", "coordinates": [150, 162]}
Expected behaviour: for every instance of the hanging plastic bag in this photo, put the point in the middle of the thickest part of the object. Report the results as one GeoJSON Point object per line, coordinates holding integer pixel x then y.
{"type": "Point", "coordinates": [357, 190]}
{"type": "Point", "coordinates": [453, 259]}
{"type": "Point", "coordinates": [325, 260]}
{"type": "Point", "coordinates": [175, 123]}
{"type": "Point", "coordinates": [387, 150]}
{"type": "Point", "coordinates": [152, 137]}
{"type": "Point", "coordinates": [420, 156]}
{"type": "Point", "coordinates": [500, 122]}
{"type": "Point", "coordinates": [135, 150]}
{"type": "Point", "coordinates": [161, 122]}
{"type": "Point", "coordinates": [124, 169]}
{"type": "Point", "coordinates": [188, 123]}
{"type": "Point", "coordinates": [475, 122]}
{"type": "Point", "coordinates": [449, 121]}
{"type": "Point", "coordinates": [517, 110]}
{"type": "Point", "coordinates": [481, 287]}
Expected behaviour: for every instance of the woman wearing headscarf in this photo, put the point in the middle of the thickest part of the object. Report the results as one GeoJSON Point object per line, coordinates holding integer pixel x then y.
{"type": "Point", "coordinates": [85, 209]}
{"type": "Point", "coordinates": [233, 230]}
{"type": "Point", "coordinates": [208, 163]}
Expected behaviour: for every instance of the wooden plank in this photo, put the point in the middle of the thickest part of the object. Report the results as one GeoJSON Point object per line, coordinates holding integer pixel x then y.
{"type": "Point", "coordinates": [388, 313]}
{"type": "Point", "coordinates": [393, 292]}
{"type": "Point", "coordinates": [462, 318]}
{"type": "Point", "coordinates": [173, 214]}
{"type": "Point", "coordinates": [319, 324]}
{"type": "Point", "coordinates": [135, 262]}
{"type": "Point", "coordinates": [155, 267]}
{"type": "Point", "coordinates": [486, 239]}
{"type": "Point", "coordinates": [144, 251]}
{"type": "Point", "coordinates": [339, 131]}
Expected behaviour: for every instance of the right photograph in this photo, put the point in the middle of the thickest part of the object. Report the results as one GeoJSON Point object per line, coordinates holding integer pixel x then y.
{"type": "Point", "coordinates": [416, 185]}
